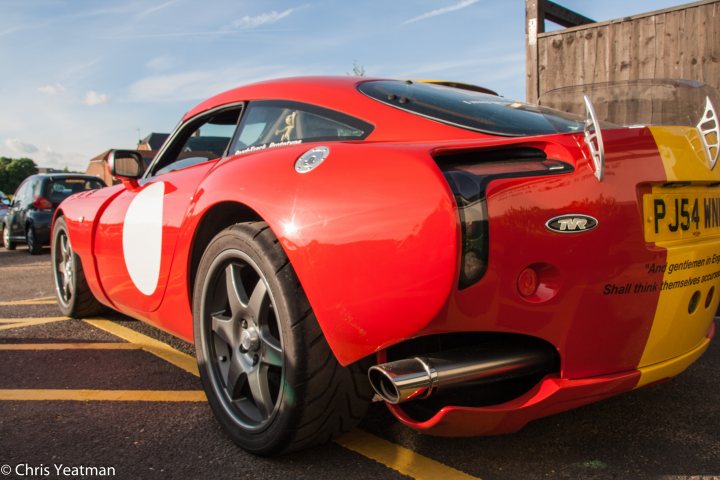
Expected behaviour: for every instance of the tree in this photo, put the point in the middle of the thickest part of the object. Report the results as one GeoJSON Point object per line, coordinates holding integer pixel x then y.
{"type": "Point", "coordinates": [357, 70]}
{"type": "Point", "coordinates": [13, 171]}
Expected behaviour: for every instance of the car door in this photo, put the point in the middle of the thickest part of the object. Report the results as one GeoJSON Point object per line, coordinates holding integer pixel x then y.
{"type": "Point", "coordinates": [137, 233]}
{"type": "Point", "coordinates": [17, 213]}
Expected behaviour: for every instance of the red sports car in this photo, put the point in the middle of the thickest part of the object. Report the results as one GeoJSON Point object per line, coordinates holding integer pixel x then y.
{"type": "Point", "coordinates": [479, 262]}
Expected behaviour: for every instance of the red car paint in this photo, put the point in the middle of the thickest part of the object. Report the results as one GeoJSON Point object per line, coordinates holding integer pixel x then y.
{"type": "Point", "coordinates": [374, 237]}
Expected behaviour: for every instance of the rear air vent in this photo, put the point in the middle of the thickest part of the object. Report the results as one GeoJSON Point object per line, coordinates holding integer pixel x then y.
{"type": "Point", "coordinates": [468, 173]}
{"type": "Point", "coordinates": [491, 155]}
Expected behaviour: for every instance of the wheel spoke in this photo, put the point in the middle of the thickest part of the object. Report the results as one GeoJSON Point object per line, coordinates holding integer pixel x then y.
{"type": "Point", "coordinates": [260, 390]}
{"type": "Point", "coordinates": [237, 297]}
{"type": "Point", "coordinates": [225, 329]}
{"type": "Point", "coordinates": [272, 352]}
{"type": "Point", "coordinates": [258, 303]}
{"type": "Point", "coordinates": [236, 377]}
{"type": "Point", "coordinates": [65, 247]}
{"type": "Point", "coordinates": [68, 286]}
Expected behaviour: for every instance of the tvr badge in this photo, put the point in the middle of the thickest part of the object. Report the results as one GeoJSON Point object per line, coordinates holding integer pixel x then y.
{"type": "Point", "coordinates": [571, 223]}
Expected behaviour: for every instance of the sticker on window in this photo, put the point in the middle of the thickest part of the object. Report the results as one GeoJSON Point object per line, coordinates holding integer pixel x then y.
{"type": "Point", "coordinates": [264, 146]}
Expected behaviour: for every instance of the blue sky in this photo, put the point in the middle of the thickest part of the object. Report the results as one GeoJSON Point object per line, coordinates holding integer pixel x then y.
{"type": "Point", "coordinates": [79, 77]}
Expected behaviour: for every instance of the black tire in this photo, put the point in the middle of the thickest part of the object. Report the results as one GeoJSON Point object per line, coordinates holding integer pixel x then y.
{"type": "Point", "coordinates": [71, 289]}
{"type": "Point", "coordinates": [7, 243]}
{"type": "Point", "coordinates": [34, 247]}
{"type": "Point", "coordinates": [270, 377]}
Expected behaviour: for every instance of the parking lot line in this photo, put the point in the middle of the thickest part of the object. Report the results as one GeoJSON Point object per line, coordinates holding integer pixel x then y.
{"type": "Point", "coordinates": [387, 453]}
{"type": "Point", "coordinates": [10, 323]}
{"type": "Point", "coordinates": [156, 347]}
{"type": "Point", "coordinates": [399, 458]}
{"type": "Point", "coordinates": [23, 267]}
{"type": "Point", "coordinates": [70, 346]}
{"type": "Point", "coordinates": [103, 395]}
{"type": "Point", "coordinates": [30, 301]}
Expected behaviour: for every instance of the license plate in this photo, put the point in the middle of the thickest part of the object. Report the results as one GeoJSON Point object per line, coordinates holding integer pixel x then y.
{"type": "Point", "coordinates": [681, 213]}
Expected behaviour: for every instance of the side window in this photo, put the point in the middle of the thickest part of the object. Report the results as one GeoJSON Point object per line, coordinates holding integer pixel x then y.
{"type": "Point", "coordinates": [199, 142]}
{"type": "Point", "coordinates": [34, 190]}
{"type": "Point", "coordinates": [20, 195]}
{"type": "Point", "coordinates": [274, 123]}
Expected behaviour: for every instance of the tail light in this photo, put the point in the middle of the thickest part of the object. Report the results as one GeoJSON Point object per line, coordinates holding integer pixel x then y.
{"type": "Point", "coordinates": [468, 174]}
{"type": "Point", "coordinates": [42, 203]}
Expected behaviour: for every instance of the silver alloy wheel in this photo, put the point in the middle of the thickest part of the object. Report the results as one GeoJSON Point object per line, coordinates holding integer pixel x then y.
{"type": "Point", "coordinates": [64, 269]}
{"type": "Point", "coordinates": [6, 236]}
{"type": "Point", "coordinates": [242, 339]}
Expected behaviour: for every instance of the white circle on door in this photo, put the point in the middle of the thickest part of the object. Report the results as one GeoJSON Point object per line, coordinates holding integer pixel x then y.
{"type": "Point", "coordinates": [142, 237]}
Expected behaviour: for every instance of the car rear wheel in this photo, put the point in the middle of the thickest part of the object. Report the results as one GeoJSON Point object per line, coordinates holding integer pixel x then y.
{"type": "Point", "coordinates": [33, 245]}
{"type": "Point", "coordinates": [269, 375]}
{"type": "Point", "coordinates": [73, 294]}
{"type": "Point", "coordinates": [7, 243]}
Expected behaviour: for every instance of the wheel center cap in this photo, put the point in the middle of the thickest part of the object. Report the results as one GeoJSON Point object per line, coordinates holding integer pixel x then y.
{"type": "Point", "coordinates": [249, 339]}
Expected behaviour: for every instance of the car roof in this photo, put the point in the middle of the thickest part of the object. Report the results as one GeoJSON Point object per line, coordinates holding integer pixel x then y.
{"type": "Point", "coordinates": [339, 93]}
{"type": "Point", "coordinates": [54, 176]}
{"type": "Point", "coordinates": [65, 175]}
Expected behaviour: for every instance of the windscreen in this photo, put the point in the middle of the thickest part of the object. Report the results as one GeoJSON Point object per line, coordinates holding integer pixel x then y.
{"type": "Point", "coordinates": [471, 110]}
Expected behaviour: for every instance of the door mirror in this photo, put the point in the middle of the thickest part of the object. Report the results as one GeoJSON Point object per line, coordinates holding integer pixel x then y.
{"type": "Point", "coordinates": [126, 164]}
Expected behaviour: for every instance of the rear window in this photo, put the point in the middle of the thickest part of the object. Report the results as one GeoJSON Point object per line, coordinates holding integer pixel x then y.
{"type": "Point", "coordinates": [58, 189]}
{"type": "Point", "coordinates": [471, 110]}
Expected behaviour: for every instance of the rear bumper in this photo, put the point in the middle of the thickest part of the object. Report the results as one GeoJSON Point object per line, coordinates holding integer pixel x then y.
{"type": "Point", "coordinates": [552, 395]}
{"type": "Point", "coordinates": [41, 222]}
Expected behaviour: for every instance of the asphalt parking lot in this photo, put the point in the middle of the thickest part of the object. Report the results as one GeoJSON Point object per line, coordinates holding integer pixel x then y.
{"type": "Point", "coordinates": [114, 394]}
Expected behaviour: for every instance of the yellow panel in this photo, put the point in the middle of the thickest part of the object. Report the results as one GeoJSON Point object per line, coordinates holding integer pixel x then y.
{"type": "Point", "coordinates": [669, 369]}
{"type": "Point", "coordinates": [683, 155]}
{"type": "Point", "coordinates": [692, 267]}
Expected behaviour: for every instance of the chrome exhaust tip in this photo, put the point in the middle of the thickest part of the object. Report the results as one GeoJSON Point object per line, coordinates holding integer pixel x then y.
{"type": "Point", "coordinates": [419, 377]}
{"type": "Point", "coordinates": [403, 380]}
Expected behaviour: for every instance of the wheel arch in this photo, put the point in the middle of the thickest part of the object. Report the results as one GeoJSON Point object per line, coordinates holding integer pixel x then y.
{"type": "Point", "coordinates": [214, 220]}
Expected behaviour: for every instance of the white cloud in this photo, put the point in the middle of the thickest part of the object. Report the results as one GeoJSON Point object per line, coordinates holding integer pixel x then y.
{"type": "Point", "coordinates": [262, 19]}
{"type": "Point", "coordinates": [52, 157]}
{"type": "Point", "coordinates": [93, 98]}
{"type": "Point", "coordinates": [163, 62]}
{"type": "Point", "coordinates": [201, 84]}
{"type": "Point", "coordinates": [10, 30]}
{"type": "Point", "coordinates": [154, 9]}
{"type": "Point", "coordinates": [441, 11]}
{"type": "Point", "coordinates": [52, 89]}
{"type": "Point", "coordinates": [177, 86]}
{"type": "Point", "coordinates": [18, 146]}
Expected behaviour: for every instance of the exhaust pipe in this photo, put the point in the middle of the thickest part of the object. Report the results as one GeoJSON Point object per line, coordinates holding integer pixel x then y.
{"type": "Point", "coordinates": [419, 377]}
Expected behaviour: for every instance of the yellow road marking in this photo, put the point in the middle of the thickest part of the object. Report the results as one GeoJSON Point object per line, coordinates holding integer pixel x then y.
{"type": "Point", "coordinates": [399, 458]}
{"type": "Point", "coordinates": [393, 456]}
{"type": "Point", "coordinates": [10, 323]}
{"type": "Point", "coordinates": [22, 267]}
{"type": "Point", "coordinates": [70, 346]}
{"type": "Point", "coordinates": [387, 453]}
{"type": "Point", "coordinates": [29, 301]}
{"type": "Point", "coordinates": [156, 347]}
{"type": "Point", "coordinates": [104, 395]}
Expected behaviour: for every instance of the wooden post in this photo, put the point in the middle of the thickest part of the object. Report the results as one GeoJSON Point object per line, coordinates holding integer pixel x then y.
{"type": "Point", "coordinates": [536, 12]}
{"type": "Point", "coordinates": [534, 24]}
